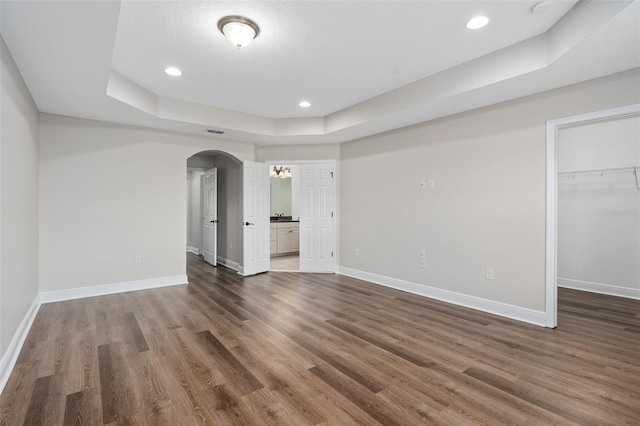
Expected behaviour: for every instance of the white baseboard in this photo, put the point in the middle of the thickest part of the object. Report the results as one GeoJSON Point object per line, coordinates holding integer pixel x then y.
{"type": "Point", "coordinates": [194, 250]}
{"type": "Point", "coordinates": [9, 358]}
{"type": "Point", "coordinates": [101, 290]}
{"type": "Point", "coordinates": [228, 263]}
{"type": "Point", "coordinates": [613, 290]}
{"type": "Point", "coordinates": [498, 308]}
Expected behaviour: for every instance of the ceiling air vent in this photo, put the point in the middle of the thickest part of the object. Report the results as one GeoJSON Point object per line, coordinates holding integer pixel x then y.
{"type": "Point", "coordinates": [214, 131]}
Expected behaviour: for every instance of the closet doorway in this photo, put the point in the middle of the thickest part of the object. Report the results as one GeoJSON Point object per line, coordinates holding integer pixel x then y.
{"type": "Point", "coordinates": [593, 205]}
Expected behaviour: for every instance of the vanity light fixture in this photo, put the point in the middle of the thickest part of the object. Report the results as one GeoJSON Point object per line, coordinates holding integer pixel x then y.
{"type": "Point", "coordinates": [281, 172]}
{"type": "Point", "coordinates": [240, 31]}
{"type": "Point", "coordinates": [477, 22]}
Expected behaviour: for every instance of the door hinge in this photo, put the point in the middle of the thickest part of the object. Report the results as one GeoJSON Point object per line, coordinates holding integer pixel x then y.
{"type": "Point", "coordinates": [331, 174]}
{"type": "Point", "coordinates": [331, 214]}
{"type": "Point", "coordinates": [331, 254]}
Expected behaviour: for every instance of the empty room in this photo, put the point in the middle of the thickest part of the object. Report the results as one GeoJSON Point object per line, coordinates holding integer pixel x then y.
{"type": "Point", "coordinates": [320, 212]}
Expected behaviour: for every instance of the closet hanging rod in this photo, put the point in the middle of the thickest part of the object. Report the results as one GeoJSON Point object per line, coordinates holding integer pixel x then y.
{"type": "Point", "coordinates": [632, 169]}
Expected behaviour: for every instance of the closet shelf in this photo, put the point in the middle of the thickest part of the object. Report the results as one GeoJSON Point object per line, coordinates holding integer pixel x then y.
{"type": "Point", "coordinates": [632, 169]}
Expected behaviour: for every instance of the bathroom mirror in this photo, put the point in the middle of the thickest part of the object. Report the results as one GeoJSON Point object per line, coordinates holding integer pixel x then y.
{"type": "Point", "coordinates": [280, 196]}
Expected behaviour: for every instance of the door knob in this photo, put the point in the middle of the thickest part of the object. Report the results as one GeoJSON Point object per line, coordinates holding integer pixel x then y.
{"type": "Point", "coordinates": [214, 221]}
{"type": "Point", "coordinates": [249, 223]}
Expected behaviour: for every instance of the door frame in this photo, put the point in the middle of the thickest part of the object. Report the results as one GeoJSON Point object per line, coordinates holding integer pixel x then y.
{"type": "Point", "coordinates": [553, 127]}
{"type": "Point", "coordinates": [336, 196]}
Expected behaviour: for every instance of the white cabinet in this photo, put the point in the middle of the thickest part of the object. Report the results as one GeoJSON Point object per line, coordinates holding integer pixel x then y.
{"type": "Point", "coordinates": [295, 238]}
{"type": "Point", "coordinates": [285, 238]}
{"type": "Point", "coordinates": [273, 245]}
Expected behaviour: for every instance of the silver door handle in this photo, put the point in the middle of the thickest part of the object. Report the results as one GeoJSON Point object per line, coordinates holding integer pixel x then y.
{"type": "Point", "coordinates": [249, 223]}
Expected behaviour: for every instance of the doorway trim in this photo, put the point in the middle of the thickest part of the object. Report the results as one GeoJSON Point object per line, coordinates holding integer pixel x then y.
{"type": "Point", "coordinates": [553, 127]}
{"type": "Point", "coordinates": [336, 198]}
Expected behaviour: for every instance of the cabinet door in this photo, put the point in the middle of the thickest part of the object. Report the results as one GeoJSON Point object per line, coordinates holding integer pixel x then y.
{"type": "Point", "coordinates": [295, 239]}
{"type": "Point", "coordinates": [284, 240]}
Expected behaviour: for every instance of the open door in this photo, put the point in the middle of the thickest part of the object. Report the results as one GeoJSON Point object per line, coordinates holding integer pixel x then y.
{"type": "Point", "coordinates": [317, 251]}
{"type": "Point", "coordinates": [209, 185]}
{"type": "Point", "coordinates": [255, 232]}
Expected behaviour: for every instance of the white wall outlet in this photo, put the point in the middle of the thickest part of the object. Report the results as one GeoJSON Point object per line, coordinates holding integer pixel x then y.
{"type": "Point", "coordinates": [422, 184]}
{"type": "Point", "coordinates": [356, 252]}
{"type": "Point", "coordinates": [489, 274]}
{"type": "Point", "coordinates": [432, 184]}
{"type": "Point", "coordinates": [423, 254]}
{"type": "Point", "coordinates": [422, 263]}
{"type": "Point", "coordinates": [137, 259]}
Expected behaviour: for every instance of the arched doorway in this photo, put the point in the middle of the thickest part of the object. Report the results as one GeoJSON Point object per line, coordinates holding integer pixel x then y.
{"type": "Point", "coordinates": [229, 205]}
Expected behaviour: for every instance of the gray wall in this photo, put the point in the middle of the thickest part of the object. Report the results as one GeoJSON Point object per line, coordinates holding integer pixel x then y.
{"type": "Point", "coordinates": [18, 201]}
{"type": "Point", "coordinates": [488, 205]}
{"type": "Point", "coordinates": [297, 152]}
{"type": "Point", "coordinates": [109, 192]}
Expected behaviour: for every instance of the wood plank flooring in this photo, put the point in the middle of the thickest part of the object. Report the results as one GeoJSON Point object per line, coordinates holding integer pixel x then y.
{"type": "Point", "coordinates": [286, 263]}
{"type": "Point", "coordinates": [306, 349]}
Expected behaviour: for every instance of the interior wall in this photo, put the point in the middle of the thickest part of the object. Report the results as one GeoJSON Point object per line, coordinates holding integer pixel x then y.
{"type": "Point", "coordinates": [599, 215]}
{"type": "Point", "coordinates": [487, 208]}
{"type": "Point", "coordinates": [229, 209]}
{"type": "Point", "coordinates": [110, 192]}
{"type": "Point", "coordinates": [18, 200]}
{"type": "Point", "coordinates": [194, 225]}
{"type": "Point", "coordinates": [297, 152]}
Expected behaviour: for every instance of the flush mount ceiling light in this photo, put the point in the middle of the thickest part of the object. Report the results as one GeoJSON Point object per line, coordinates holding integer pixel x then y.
{"type": "Point", "coordinates": [173, 72]}
{"type": "Point", "coordinates": [305, 104]}
{"type": "Point", "coordinates": [477, 22]}
{"type": "Point", "coordinates": [240, 31]}
{"type": "Point", "coordinates": [542, 7]}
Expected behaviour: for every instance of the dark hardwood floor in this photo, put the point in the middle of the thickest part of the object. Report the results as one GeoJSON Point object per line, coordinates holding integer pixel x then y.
{"type": "Point", "coordinates": [305, 349]}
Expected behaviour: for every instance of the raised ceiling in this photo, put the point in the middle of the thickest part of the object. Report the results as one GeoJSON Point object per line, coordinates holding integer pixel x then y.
{"type": "Point", "coordinates": [366, 67]}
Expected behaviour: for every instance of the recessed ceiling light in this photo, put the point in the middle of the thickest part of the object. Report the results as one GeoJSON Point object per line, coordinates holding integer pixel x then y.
{"type": "Point", "coordinates": [174, 72]}
{"type": "Point", "coordinates": [477, 22]}
{"type": "Point", "coordinates": [305, 104]}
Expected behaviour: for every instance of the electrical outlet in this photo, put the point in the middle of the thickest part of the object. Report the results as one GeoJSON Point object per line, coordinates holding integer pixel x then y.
{"type": "Point", "coordinates": [137, 259]}
{"type": "Point", "coordinates": [489, 274]}
{"type": "Point", "coordinates": [422, 184]}
{"type": "Point", "coordinates": [356, 252]}
{"type": "Point", "coordinates": [423, 263]}
{"type": "Point", "coordinates": [423, 254]}
{"type": "Point", "coordinates": [432, 184]}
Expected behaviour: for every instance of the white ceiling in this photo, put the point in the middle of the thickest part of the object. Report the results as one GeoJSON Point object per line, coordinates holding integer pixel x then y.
{"type": "Point", "coordinates": [366, 66]}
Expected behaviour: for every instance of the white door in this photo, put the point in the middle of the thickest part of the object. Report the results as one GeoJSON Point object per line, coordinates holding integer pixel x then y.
{"type": "Point", "coordinates": [317, 238]}
{"type": "Point", "coordinates": [255, 233]}
{"type": "Point", "coordinates": [209, 188]}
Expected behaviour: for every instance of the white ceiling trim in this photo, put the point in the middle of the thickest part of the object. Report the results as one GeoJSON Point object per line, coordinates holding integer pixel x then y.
{"type": "Point", "coordinates": [508, 63]}
{"type": "Point", "coordinates": [64, 53]}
